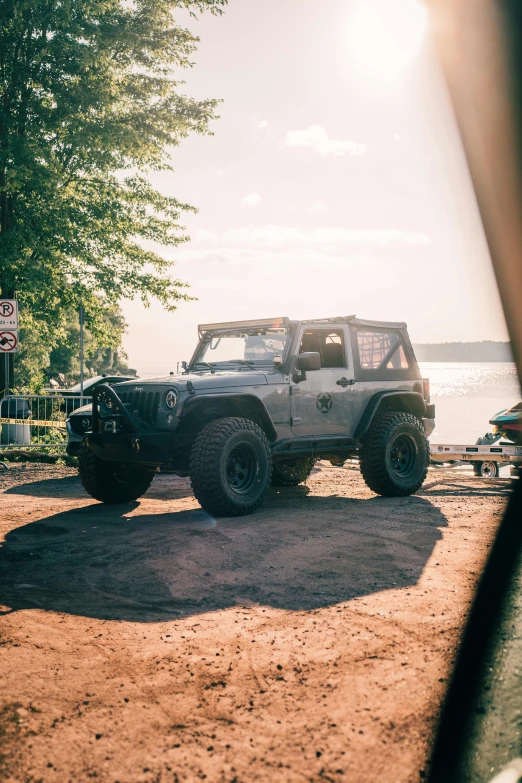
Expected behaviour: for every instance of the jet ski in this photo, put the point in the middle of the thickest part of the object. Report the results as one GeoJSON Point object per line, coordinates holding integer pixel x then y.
{"type": "Point", "coordinates": [508, 424]}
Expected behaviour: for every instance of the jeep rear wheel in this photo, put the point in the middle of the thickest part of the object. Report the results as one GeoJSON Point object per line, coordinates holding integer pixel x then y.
{"type": "Point", "coordinates": [112, 482]}
{"type": "Point", "coordinates": [230, 467]}
{"type": "Point", "coordinates": [395, 455]}
{"type": "Point", "coordinates": [292, 472]}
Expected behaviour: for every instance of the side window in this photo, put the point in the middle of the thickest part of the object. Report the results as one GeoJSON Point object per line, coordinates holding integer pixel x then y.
{"type": "Point", "coordinates": [398, 360]}
{"type": "Point", "coordinates": [329, 343]}
{"type": "Point", "coordinates": [381, 350]}
{"type": "Point", "coordinates": [374, 347]}
{"type": "Point", "coordinates": [333, 350]}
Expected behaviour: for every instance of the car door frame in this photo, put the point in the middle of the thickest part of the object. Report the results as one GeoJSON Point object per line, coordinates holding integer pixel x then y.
{"type": "Point", "coordinates": [306, 409]}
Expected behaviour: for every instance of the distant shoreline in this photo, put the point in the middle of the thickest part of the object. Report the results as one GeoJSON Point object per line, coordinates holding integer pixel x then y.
{"type": "Point", "coordinates": [485, 351]}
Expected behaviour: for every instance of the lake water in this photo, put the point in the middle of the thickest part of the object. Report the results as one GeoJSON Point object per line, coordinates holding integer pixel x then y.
{"type": "Point", "coordinates": [466, 395]}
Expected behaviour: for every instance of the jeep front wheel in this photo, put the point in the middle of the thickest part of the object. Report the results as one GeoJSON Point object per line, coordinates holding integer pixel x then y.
{"type": "Point", "coordinates": [112, 482]}
{"type": "Point", "coordinates": [292, 472]}
{"type": "Point", "coordinates": [395, 455]}
{"type": "Point", "coordinates": [230, 467]}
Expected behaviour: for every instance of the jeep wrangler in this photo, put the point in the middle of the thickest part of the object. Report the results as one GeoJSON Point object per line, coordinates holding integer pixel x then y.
{"type": "Point", "coordinates": [257, 405]}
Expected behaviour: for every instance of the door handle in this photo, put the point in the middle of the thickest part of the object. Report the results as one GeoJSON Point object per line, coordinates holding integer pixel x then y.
{"type": "Point", "coordinates": [345, 382]}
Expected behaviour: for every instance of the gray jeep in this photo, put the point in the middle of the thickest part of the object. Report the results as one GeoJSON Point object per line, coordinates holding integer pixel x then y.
{"type": "Point", "coordinates": [257, 405]}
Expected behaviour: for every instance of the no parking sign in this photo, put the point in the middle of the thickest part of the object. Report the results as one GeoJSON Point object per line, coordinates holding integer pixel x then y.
{"type": "Point", "coordinates": [9, 314]}
{"type": "Point", "coordinates": [8, 342]}
{"type": "Point", "coordinates": [8, 326]}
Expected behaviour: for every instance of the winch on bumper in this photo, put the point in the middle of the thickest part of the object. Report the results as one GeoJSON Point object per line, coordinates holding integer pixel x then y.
{"type": "Point", "coordinates": [121, 427]}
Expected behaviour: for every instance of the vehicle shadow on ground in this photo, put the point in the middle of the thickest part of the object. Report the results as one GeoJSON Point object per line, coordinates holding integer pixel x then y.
{"type": "Point", "coordinates": [473, 488]}
{"type": "Point", "coordinates": [163, 488]}
{"type": "Point", "coordinates": [65, 486]}
{"type": "Point", "coordinates": [298, 552]}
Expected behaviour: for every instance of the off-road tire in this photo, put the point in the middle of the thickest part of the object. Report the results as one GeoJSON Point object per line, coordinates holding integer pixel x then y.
{"type": "Point", "coordinates": [486, 469]}
{"type": "Point", "coordinates": [212, 467]}
{"type": "Point", "coordinates": [381, 470]}
{"type": "Point", "coordinates": [112, 482]}
{"type": "Point", "coordinates": [292, 472]}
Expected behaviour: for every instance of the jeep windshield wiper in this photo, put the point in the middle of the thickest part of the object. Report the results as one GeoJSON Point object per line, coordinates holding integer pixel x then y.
{"type": "Point", "coordinates": [239, 361]}
{"type": "Point", "coordinates": [211, 367]}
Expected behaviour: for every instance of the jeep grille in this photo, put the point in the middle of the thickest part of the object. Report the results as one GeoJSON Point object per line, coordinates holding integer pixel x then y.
{"type": "Point", "coordinates": [143, 403]}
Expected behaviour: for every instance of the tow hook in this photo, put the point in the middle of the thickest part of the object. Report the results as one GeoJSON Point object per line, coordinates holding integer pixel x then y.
{"type": "Point", "coordinates": [135, 445]}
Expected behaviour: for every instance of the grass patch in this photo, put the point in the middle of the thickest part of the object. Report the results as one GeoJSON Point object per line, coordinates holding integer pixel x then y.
{"type": "Point", "coordinates": [26, 455]}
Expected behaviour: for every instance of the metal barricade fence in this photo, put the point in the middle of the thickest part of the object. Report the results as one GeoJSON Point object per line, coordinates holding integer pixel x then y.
{"type": "Point", "coordinates": [36, 421]}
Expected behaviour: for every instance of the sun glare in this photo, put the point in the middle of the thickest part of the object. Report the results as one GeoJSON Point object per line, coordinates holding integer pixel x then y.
{"type": "Point", "coordinates": [384, 37]}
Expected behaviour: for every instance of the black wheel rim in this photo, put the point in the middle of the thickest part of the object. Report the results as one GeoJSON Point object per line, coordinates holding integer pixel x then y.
{"type": "Point", "coordinates": [242, 468]}
{"type": "Point", "coordinates": [403, 455]}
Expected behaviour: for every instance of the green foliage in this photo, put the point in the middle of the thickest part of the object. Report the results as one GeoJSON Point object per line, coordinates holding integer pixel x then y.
{"type": "Point", "coordinates": [89, 104]}
{"type": "Point", "coordinates": [42, 454]}
{"type": "Point", "coordinates": [50, 436]}
{"type": "Point", "coordinates": [44, 353]}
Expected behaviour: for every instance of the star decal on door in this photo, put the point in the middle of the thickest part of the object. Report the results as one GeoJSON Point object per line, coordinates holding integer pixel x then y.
{"type": "Point", "coordinates": [324, 402]}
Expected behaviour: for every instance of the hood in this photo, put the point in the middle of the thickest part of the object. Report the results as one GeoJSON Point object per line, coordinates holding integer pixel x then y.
{"type": "Point", "coordinates": [202, 380]}
{"type": "Point", "coordinates": [81, 411]}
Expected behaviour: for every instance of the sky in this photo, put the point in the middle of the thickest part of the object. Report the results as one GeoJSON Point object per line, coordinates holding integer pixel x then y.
{"type": "Point", "coordinates": [335, 182]}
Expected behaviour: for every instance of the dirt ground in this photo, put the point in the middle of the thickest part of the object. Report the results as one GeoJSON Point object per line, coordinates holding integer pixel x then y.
{"type": "Point", "coordinates": [310, 641]}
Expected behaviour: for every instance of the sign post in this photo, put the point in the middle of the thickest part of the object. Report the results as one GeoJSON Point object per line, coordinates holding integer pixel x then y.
{"type": "Point", "coordinates": [8, 334]}
{"type": "Point", "coordinates": [82, 322]}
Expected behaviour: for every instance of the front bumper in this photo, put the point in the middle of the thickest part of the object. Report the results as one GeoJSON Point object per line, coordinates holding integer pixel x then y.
{"type": "Point", "coordinates": [73, 447]}
{"type": "Point", "coordinates": [146, 448]}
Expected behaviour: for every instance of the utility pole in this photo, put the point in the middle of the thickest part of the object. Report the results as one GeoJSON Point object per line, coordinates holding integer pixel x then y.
{"type": "Point", "coordinates": [82, 322]}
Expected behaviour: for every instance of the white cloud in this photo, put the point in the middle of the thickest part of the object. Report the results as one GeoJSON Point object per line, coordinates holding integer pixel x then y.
{"type": "Point", "coordinates": [318, 206]}
{"type": "Point", "coordinates": [253, 199]}
{"type": "Point", "coordinates": [317, 139]}
{"type": "Point", "coordinates": [262, 124]}
{"type": "Point", "coordinates": [267, 260]}
{"type": "Point", "coordinates": [271, 235]}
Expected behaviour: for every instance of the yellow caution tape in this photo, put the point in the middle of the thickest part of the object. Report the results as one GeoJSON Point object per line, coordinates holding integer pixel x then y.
{"type": "Point", "coordinates": [35, 422]}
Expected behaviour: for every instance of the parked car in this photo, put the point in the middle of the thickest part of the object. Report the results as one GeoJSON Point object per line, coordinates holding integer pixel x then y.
{"type": "Point", "coordinates": [70, 405]}
{"type": "Point", "coordinates": [259, 403]}
{"type": "Point", "coordinates": [78, 423]}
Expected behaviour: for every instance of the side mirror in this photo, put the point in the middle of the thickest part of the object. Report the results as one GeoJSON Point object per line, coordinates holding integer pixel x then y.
{"type": "Point", "coordinates": [311, 360]}
{"type": "Point", "coordinates": [184, 365]}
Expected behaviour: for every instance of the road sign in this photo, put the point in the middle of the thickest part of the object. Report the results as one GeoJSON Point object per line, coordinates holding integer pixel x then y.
{"type": "Point", "coordinates": [8, 314]}
{"type": "Point", "coordinates": [8, 342]}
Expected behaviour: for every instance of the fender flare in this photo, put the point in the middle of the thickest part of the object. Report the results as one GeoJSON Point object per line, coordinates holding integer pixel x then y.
{"type": "Point", "coordinates": [401, 400]}
{"type": "Point", "coordinates": [238, 401]}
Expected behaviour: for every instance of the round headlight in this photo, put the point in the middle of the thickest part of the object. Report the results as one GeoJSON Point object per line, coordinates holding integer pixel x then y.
{"type": "Point", "coordinates": [171, 398]}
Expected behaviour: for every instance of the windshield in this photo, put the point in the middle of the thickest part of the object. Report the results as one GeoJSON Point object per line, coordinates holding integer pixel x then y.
{"type": "Point", "coordinates": [254, 348]}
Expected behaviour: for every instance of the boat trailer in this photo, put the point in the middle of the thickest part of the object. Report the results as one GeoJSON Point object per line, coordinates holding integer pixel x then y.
{"type": "Point", "coordinates": [486, 459]}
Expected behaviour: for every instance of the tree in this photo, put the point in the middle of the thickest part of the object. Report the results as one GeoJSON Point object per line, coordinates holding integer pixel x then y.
{"type": "Point", "coordinates": [37, 363]}
{"type": "Point", "coordinates": [89, 104]}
